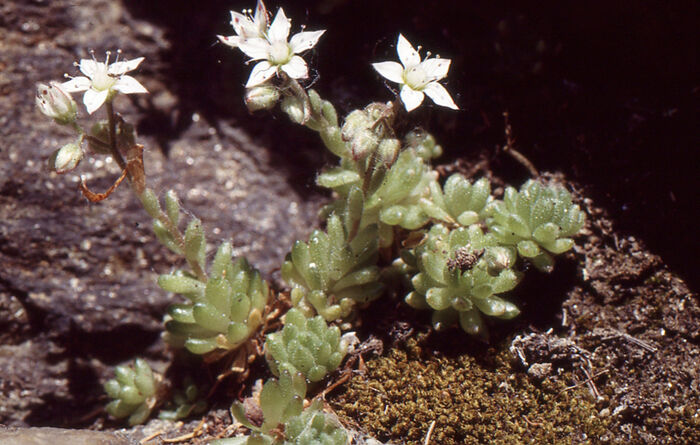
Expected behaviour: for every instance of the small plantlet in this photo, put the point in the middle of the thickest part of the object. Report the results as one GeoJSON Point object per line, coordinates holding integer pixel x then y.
{"type": "Point", "coordinates": [460, 202]}
{"type": "Point", "coordinates": [332, 272]}
{"type": "Point", "coordinates": [285, 421]}
{"type": "Point", "coordinates": [279, 400]}
{"type": "Point", "coordinates": [134, 390]}
{"type": "Point", "coordinates": [314, 427]}
{"type": "Point", "coordinates": [461, 274]}
{"type": "Point", "coordinates": [304, 345]}
{"type": "Point", "coordinates": [538, 220]}
{"type": "Point", "coordinates": [185, 402]}
{"type": "Point", "coordinates": [223, 311]}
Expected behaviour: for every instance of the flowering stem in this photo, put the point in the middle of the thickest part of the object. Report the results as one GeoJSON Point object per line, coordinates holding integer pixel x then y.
{"type": "Point", "coordinates": [161, 215]}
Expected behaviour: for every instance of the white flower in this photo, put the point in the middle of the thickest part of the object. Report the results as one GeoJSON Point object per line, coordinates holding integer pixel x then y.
{"type": "Point", "coordinates": [247, 27]}
{"type": "Point", "coordinates": [56, 103]}
{"type": "Point", "coordinates": [103, 80]}
{"type": "Point", "coordinates": [418, 78]}
{"type": "Point", "coordinates": [276, 53]}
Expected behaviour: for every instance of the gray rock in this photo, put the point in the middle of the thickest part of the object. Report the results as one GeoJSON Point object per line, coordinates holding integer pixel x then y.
{"type": "Point", "coordinates": [58, 436]}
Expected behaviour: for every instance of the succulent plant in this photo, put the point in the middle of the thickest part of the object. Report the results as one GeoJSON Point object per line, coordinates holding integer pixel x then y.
{"type": "Point", "coordinates": [279, 400]}
{"type": "Point", "coordinates": [332, 273]}
{"type": "Point", "coordinates": [306, 345]}
{"type": "Point", "coordinates": [308, 427]}
{"type": "Point", "coordinates": [461, 273]}
{"type": "Point", "coordinates": [185, 402]}
{"type": "Point", "coordinates": [134, 390]}
{"type": "Point", "coordinates": [314, 427]}
{"type": "Point", "coordinates": [538, 220]}
{"type": "Point", "coordinates": [223, 312]}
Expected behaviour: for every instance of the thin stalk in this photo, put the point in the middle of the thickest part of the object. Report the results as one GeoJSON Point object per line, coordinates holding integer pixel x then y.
{"type": "Point", "coordinates": [111, 121]}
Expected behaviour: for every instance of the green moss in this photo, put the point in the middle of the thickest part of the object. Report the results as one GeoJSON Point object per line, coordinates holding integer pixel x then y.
{"type": "Point", "coordinates": [401, 395]}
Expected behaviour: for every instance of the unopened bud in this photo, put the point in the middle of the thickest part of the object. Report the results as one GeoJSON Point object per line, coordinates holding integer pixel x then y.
{"type": "Point", "coordinates": [363, 143]}
{"type": "Point", "coordinates": [388, 151]}
{"type": "Point", "coordinates": [294, 109]}
{"type": "Point", "coordinates": [66, 158]}
{"type": "Point", "coordinates": [263, 97]}
{"type": "Point", "coordinates": [55, 103]}
{"type": "Point", "coordinates": [354, 122]}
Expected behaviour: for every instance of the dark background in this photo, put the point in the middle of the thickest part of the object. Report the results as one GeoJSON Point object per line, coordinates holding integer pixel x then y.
{"type": "Point", "coordinates": [606, 92]}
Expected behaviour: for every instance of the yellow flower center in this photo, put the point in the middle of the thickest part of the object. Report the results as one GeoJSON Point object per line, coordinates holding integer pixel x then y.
{"type": "Point", "coordinates": [102, 80]}
{"type": "Point", "coordinates": [280, 53]}
{"type": "Point", "coordinates": [416, 77]}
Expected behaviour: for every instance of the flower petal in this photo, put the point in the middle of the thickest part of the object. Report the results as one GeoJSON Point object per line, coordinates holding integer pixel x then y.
{"type": "Point", "coordinates": [411, 98]}
{"type": "Point", "coordinates": [407, 54]}
{"type": "Point", "coordinates": [94, 99]}
{"type": "Point", "coordinates": [436, 68]}
{"type": "Point", "coordinates": [439, 95]}
{"type": "Point", "coordinates": [279, 30]}
{"type": "Point", "coordinates": [76, 84]}
{"type": "Point", "coordinates": [305, 40]}
{"type": "Point", "coordinates": [238, 21]}
{"type": "Point", "coordinates": [391, 70]}
{"type": "Point", "coordinates": [261, 18]}
{"type": "Point", "coordinates": [261, 72]}
{"type": "Point", "coordinates": [129, 85]}
{"type": "Point", "coordinates": [255, 48]}
{"type": "Point", "coordinates": [119, 68]}
{"type": "Point", "coordinates": [296, 68]}
{"type": "Point", "coordinates": [89, 67]}
{"type": "Point", "coordinates": [232, 41]}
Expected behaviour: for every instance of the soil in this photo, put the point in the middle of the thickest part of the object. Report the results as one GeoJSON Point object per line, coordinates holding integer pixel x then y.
{"type": "Point", "coordinates": [606, 349]}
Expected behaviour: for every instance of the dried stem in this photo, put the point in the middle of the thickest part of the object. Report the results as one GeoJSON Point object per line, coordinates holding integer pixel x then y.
{"type": "Point", "coordinates": [509, 148]}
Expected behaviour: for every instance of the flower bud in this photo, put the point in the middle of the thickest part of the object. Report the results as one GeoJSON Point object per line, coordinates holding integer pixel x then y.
{"type": "Point", "coordinates": [354, 122]}
{"type": "Point", "coordinates": [55, 103]}
{"type": "Point", "coordinates": [294, 108]}
{"type": "Point", "coordinates": [363, 143]}
{"type": "Point", "coordinates": [388, 151]}
{"type": "Point", "coordinates": [66, 158]}
{"type": "Point", "coordinates": [263, 97]}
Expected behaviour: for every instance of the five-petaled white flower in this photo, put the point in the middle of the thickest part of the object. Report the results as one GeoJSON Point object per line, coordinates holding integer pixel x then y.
{"type": "Point", "coordinates": [247, 27]}
{"type": "Point", "coordinates": [104, 80]}
{"type": "Point", "coordinates": [276, 53]}
{"type": "Point", "coordinates": [418, 78]}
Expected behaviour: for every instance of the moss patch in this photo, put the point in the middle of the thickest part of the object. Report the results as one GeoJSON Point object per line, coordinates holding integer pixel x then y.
{"type": "Point", "coordinates": [471, 402]}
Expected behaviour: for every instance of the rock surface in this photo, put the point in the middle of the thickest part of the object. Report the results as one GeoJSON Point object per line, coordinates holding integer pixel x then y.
{"type": "Point", "coordinates": [58, 436]}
